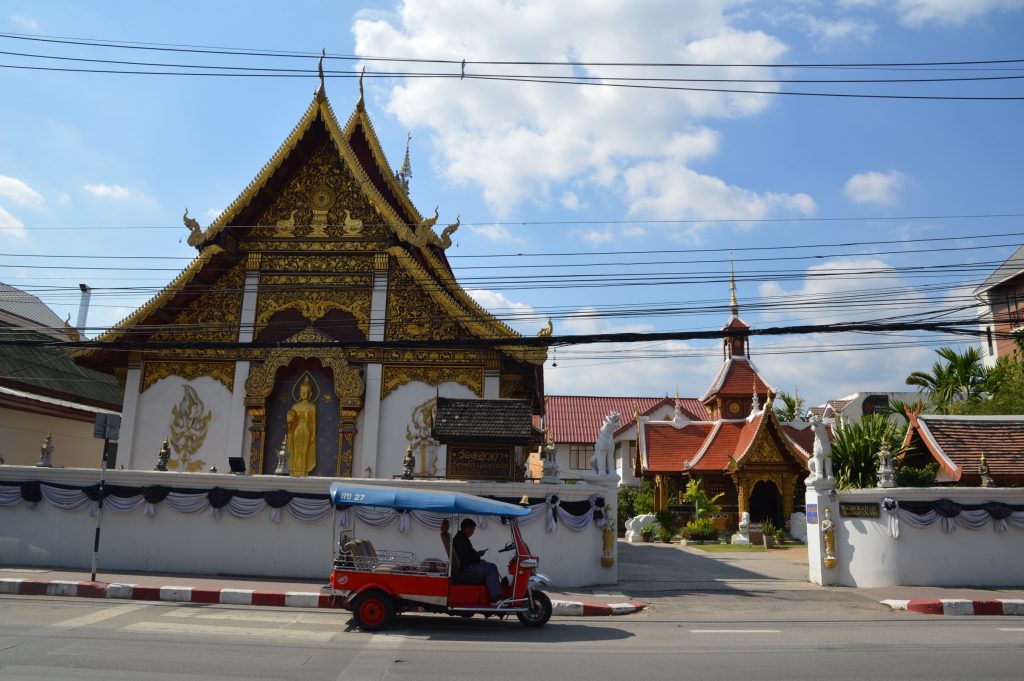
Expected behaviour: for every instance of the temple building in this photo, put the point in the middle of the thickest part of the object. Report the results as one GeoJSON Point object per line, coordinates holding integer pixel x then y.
{"type": "Point", "coordinates": [315, 326]}
{"type": "Point", "coordinates": [740, 448]}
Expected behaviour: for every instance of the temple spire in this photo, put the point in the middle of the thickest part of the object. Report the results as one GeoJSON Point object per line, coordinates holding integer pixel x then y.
{"type": "Point", "coordinates": [405, 172]}
{"type": "Point", "coordinates": [734, 306]}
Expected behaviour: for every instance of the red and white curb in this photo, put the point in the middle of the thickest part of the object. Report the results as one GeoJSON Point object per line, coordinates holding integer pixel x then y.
{"type": "Point", "coordinates": [960, 606]}
{"type": "Point", "coordinates": [582, 609]}
{"type": "Point", "coordinates": [178, 594]}
{"type": "Point", "coordinates": [289, 599]}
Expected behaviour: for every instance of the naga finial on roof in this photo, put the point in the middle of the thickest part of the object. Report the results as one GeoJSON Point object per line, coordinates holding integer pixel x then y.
{"type": "Point", "coordinates": [320, 69]}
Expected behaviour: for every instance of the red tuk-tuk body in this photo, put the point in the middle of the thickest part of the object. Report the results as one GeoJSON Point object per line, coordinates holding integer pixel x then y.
{"type": "Point", "coordinates": [378, 584]}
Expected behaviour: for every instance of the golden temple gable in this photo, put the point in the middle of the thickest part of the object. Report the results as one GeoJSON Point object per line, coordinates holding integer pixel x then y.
{"type": "Point", "coordinates": [323, 247]}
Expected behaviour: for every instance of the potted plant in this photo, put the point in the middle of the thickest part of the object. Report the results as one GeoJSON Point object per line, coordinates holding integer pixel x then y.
{"type": "Point", "coordinates": [768, 534]}
{"type": "Point", "coordinates": [647, 533]}
{"type": "Point", "coordinates": [666, 534]}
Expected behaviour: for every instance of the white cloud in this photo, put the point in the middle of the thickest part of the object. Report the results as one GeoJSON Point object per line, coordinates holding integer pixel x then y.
{"type": "Point", "coordinates": [499, 233]}
{"type": "Point", "coordinates": [107, 191]}
{"type": "Point", "coordinates": [526, 142]}
{"type": "Point", "coordinates": [519, 316]}
{"type": "Point", "coordinates": [211, 213]}
{"type": "Point", "coordinates": [916, 13]}
{"type": "Point", "coordinates": [571, 201]}
{"type": "Point", "coordinates": [635, 231]}
{"type": "Point", "coordinates": [19, 192]}
{"type": "Point", "coordinates": [825, 33]}
{"type": "Point", "coordinates": [27, 22]}
{"type": "Point", "coordinates": [63, 198]}
{"type": "Point", "coordinates": [858, 3]}
{"type": "Point", "coordinates": [11, 226]}
{"type": "Point", "coordinates": [594, 237]}
{"type": "Point", "coordinates": [875, 187]}
{"type": "Point", "coordinates": [825, 366]}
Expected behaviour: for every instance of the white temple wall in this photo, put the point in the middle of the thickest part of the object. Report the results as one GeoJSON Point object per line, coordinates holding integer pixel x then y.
{"type": "Point", "coordinates": [154, 417]}
{"type": "Point", "coordinates": [926, 556]}
{"type": "Point", "coordinates": [22, 433]}
{"type": "Point", "coordinates": [197, 543]}
{"type": "Point", "coordinates": [396, 418]}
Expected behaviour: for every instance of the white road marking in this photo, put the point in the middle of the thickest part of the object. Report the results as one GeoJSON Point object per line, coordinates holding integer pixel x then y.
{"type": "Point", "coordinates": [86, 620]}
{"type": "Point", "coordinates": [735, 631]}
{"type": "Point", "coordinates": [213, 630]}
{"type": "Point", "coordinates": [260, 616]}
{"type": "Point", "coordinates": [1011, 628]}
{"type": "Point", "coordinates": [374, 660]}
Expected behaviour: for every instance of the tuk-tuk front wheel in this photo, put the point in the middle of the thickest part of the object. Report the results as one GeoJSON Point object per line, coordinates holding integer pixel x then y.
{"type": "Point", "coordinates": [373, 610]}
{"type": "Point", "coordinates": [539, 612]}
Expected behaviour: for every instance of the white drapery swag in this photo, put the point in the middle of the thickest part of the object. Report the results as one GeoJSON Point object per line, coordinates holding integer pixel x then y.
{"type": "Point", "coordinates": [307, 510]}
{"type": "Point", "coordinates": [311, 510]}
{"type": "Point", "coordinates": [970, 520]}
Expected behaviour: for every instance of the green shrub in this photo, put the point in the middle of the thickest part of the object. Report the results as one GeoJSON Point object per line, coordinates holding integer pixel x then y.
{"type": "Point", "coordinates": [911, 476]}
{"type": "Point", "coordinates": [647, 532]}
{"type": "Point", "coordinates": [643, 500]}
{"type": "Point", "coordinates": [624, 505]}
{"type": "Point", "coordinates": [700, 529]}
{"type": "Point", "coordinates": [668, 520]}
{"type": "Point", "coordinates": [666, 535]}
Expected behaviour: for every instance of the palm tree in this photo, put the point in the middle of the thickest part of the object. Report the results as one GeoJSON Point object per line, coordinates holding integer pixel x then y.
{"type": "Point", "coordinates": [855, 449]}
{"type": "Point", "coordinates": [792, 406]}
{"type": "Point", "coordinates": [960, 379]}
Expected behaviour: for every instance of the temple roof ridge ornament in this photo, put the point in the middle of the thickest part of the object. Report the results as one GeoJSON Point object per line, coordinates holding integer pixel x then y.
{"type": "Point", "coordinates": [405, 172]}
{"type": "Point", "coordinates": [734, 305]}
{"type": "Point", "coordinates": [320, 72]}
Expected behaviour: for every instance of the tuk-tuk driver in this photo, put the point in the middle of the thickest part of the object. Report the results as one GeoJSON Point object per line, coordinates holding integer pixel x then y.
{"type": "Point", "coordinates": [470, 560]}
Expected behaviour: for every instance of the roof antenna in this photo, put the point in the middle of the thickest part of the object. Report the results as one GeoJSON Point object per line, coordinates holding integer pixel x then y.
{"type": "Point", "coordinates": [320, 69]}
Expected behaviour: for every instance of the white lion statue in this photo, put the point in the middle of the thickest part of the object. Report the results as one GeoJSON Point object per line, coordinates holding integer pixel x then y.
{"type": "Point", "coordinates": [820, 464]}
{"type": "Point", "coordinates": [603, 461]}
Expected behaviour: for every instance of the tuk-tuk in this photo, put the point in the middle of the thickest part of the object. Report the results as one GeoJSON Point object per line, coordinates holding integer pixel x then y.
{"type": "Point", "coordinates": [376, 584]}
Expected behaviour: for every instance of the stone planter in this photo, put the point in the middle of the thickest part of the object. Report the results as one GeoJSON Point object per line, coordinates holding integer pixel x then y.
{"type": "Point", "coordinates": [769, 541]}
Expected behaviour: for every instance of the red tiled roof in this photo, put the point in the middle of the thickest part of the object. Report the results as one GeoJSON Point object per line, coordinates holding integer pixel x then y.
{"type": "Point", "coordinates": [803, 439]}
{"type": "Point", "coordinates": [724, 445]}
{"type": "Point", "coordinates": [961, 440]}
{"type": "Point", "coordinates": [576, 418]}
{"type": "Point", "coordinates": [668, 448]}
{"type": "Point", "coordinates": [736, 323]}
{"type": "Point", "coordinates": [691, 406]}
{"type": "Point", "coordinates": [738, 376]}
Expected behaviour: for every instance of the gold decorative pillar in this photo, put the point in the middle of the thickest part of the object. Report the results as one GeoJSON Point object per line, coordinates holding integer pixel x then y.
{"type": "Point", "coordinates": [347, 415]}
{"type": "Point", "coordinates": [788, 488]}
{"type": "Point", "coordinates": [257, 429]}
{"type": "Point", "coordinates": [660, 493]}
{"type": "Point", "coordinates": [742, 495]}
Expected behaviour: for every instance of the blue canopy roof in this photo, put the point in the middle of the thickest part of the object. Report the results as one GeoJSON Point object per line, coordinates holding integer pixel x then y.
{"type": "Point", "coordinates": [404, 499]}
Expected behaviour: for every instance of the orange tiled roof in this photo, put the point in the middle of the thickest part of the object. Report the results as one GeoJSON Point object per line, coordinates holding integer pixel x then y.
{"type": "Point", "coordinates": [668, 448]}
{"type": "Point", "coordinates": [738, 376]}
{"type": "Point", "coordinates": [957, 443]}
{"type": "Point", "coordinates": [736, 323]}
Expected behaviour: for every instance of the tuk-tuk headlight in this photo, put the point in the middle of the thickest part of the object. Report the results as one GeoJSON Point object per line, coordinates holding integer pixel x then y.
{"type": "Point", "coordinates": [529, 563]}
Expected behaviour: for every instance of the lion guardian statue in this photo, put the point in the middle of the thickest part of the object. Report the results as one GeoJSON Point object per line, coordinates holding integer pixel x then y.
{"type": "Point", "coordinates": [603, 460]}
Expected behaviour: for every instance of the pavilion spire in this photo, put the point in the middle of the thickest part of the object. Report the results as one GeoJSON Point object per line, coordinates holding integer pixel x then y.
{"type": "Point", "coordinates": [405, 172]}
{"type": "Point", "coordinates": [734, 306]}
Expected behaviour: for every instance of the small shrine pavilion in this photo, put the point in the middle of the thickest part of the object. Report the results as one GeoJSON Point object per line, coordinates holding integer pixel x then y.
{"type": "Point", "coordinates": [741, 450]}
{"type": "Point", "coordinates": [284, 337]}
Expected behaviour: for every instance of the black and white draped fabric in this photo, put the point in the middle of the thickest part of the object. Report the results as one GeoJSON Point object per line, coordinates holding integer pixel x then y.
{"type": "Point", "coordinates": [576, 515]}
{"type": "Point", "coordinates": [950, 514]}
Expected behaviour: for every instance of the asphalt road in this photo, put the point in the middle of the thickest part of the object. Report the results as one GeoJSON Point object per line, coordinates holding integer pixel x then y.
{"type": "Point", "coordinates": [82, 639]}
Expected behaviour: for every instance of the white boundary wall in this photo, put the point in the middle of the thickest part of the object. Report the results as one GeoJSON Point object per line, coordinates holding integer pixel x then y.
{"type": "Point", "coordinates": [197, 543]}
{"type": "Point", "coordinates": [869, 557]}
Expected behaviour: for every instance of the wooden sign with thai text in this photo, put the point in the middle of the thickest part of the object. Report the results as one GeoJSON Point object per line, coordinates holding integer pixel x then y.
{"type": "Point", "coordinates": [858, 510]}
{"type": "Point", "coordinates": [468, 462]}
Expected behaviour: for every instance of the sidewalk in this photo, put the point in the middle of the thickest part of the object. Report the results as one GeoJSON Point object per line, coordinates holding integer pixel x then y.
{"type": "Point", "coordinates": [238, 590]}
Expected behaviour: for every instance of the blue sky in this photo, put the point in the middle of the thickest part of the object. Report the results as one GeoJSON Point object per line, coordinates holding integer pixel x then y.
{"type": "Point", "coordinates": [681, 177]}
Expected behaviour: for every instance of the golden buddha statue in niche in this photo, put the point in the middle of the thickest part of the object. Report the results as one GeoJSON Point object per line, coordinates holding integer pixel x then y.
{"type": "Point", "coordinates": [302, 428]}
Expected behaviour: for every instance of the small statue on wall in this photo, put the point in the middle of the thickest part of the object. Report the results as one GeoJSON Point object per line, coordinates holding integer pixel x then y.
{"type": "Point", "coordinates": [163, 456]}
{"type": "Point", "coordinates": [46, 452]}
{"type": "Point", "coordinates": [829, 534]}
{"type": "Point", "coordinates": [282, 459]}
{"type": "Point", "coordinates": [408, 464]}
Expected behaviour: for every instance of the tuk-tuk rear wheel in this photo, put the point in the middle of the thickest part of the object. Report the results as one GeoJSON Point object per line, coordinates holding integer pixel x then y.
{"type": "Point", "coordinates": [539, 612]}
{"type": "Point", "coordinates": [373, 610]}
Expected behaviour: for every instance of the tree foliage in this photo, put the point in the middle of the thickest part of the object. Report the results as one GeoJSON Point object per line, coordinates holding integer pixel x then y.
{"type": "Point", "coordinates": [792, 406]}
{"type": "Point", "coordinates": [958, 379]}
{"type": "Point", "coordinates": [855, 449]}
{"type": "Point", "coordinates": [1004, 386]}
{"type": "Point", "coordinates": [702, 504]}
